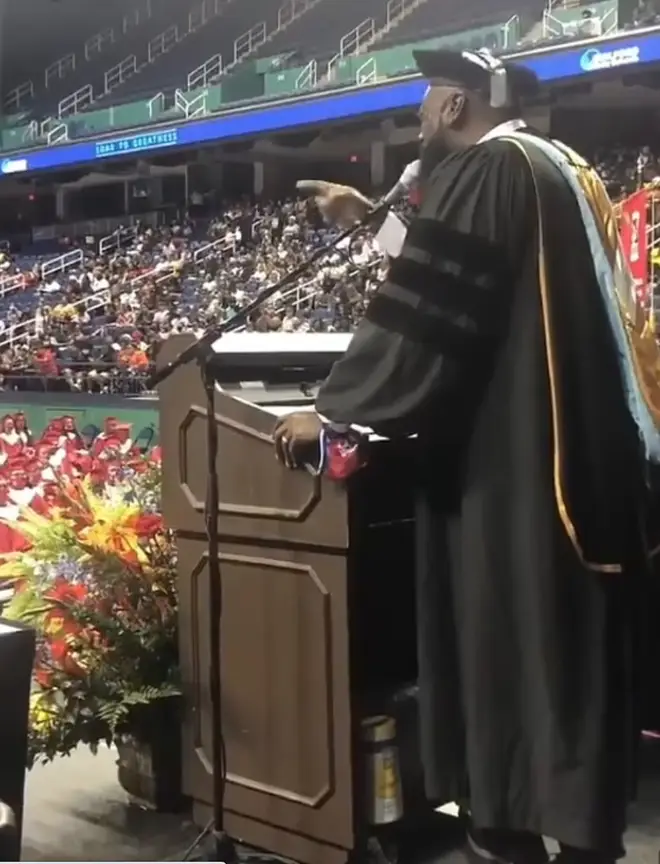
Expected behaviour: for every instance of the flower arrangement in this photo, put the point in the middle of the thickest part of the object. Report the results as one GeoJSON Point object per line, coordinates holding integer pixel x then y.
{"type": "Point", "coordinates": [98, 584]}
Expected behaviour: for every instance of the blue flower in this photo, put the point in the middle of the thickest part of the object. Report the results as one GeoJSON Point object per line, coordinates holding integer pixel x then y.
{"type": "Point", "coordinates": [71, 570]}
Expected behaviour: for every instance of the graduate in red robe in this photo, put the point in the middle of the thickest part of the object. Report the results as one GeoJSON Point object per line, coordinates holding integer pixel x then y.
{"type": "Point", "coordinates": [11, 539]}
{"type": "Point", "coordinates": [24, 433]}
{"type": "Point", "coordinates": [10, 441]}
{"type": "Point", "coordinates": [48, 498]}
{"type": "Point", "coordinates": [105, 438]}
{"type": "Point", "coordinates": [70, 434]}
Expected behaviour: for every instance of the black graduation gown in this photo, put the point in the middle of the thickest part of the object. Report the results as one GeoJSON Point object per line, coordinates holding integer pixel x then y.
{"type": "Point", "coordinates": [490, 342]}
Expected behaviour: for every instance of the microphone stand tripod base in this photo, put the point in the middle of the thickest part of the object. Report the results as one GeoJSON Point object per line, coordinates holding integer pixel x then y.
{"type": "Point", "coordinates": [216, 846]}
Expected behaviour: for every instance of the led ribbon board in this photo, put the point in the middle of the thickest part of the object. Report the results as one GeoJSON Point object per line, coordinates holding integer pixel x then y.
{"type": "Point", "coordinates": [314, 109]}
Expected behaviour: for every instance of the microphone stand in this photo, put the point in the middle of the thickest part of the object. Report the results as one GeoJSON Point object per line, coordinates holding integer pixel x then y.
{"type": "Point", "coordinates": [201, 352]}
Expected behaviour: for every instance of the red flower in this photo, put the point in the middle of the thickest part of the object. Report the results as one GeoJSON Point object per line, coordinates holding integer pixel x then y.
{"type": "Point", "coordinates": [66, 593]}
{"type": "Point", "coordinates": [147, 525]}
{"type": "Point", "coordinates": [60, 653]}
{"type": "Point", "coordinates": [43, 677]}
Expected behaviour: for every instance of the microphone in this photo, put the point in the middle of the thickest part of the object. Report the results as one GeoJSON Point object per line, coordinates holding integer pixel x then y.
{"type": "Point", "coordinates": [403, 185]}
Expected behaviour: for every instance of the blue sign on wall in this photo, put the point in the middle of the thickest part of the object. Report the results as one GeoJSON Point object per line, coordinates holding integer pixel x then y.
{"type": "Point", "coordinates": [313, 110]}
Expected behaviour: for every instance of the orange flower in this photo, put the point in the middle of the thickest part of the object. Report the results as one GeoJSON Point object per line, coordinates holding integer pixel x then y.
{"type": "Point", "coordinates": [118, 539]}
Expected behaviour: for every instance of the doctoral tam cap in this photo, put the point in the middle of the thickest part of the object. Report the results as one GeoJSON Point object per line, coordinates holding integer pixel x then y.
{"type": "Point", "coordinates": [503, 83]}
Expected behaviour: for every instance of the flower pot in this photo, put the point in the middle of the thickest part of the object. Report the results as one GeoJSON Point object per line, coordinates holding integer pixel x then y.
{"type": "Point", "coordinates": [149, 768]}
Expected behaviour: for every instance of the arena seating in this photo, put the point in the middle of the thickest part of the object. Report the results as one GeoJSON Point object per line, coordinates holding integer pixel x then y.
{"type": "Point", "coordinates": [171, 70]}
{"type": "Point", "coordinates": [165, 14]}
{"type": "Point", "coordinates": [432, 19]}
{"type": "Point", "coordinates": [318, 33]}
{"type": "Point", "coordinates": [180, 277]}
{"type": "Point", "coordinates": [59, 31]}
{"type": "Point", "coordinates": [35, 34]}
{"type": "Point", "coordinates": [315, 32]}
{"type": "Point", "coordinates": [96, 324]}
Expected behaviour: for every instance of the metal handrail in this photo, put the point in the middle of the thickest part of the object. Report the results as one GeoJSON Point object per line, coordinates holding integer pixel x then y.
{"type": "Point", "coordinates": [10, 284]}
{"type": "Point", "coordinates": [62, 262]}
{"type": "Point", "coordinates": [208, 248]}
{"type": "Point", "coordinates": [114, 240]}
{"type": "Point", "coordinates": [29, 328]}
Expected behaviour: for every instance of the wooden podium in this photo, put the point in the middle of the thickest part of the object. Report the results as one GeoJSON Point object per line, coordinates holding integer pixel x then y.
{"type": "Point", "coordinates": [318, 612]}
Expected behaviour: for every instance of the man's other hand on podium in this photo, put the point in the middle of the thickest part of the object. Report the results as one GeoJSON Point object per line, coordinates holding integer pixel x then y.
{"type": "Point", "coordinates": [295, 435]}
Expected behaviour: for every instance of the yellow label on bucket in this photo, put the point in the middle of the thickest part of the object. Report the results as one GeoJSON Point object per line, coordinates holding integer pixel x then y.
{"type": "Point", "coordinates": [386, 783]}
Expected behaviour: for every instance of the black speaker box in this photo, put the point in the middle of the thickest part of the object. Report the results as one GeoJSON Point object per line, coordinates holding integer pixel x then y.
{"type": "Point", "coordinates": [17, 649]}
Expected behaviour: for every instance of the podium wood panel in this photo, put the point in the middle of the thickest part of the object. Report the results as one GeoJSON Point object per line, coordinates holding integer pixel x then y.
{"type": "Point", "coordinates": [285, 631]}
{"type": "Point", "coordinates": [286, 709]}
{"type": "Point", "coordinates": [258, 497]}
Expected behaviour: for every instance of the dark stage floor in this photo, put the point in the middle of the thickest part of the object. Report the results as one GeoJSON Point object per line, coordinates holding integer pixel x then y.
{"type": "Point", "coordinates": [76, 811]}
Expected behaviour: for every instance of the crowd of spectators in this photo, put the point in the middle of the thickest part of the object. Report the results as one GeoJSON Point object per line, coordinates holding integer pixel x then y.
{"type": "Point", "coordinates": [97, 327]}
{"type": "Point", "coordinates": [626, 169]}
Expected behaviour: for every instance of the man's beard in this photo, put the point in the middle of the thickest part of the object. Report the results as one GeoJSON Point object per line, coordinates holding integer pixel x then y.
{"type": "Point", "coordinates": [432, 153]}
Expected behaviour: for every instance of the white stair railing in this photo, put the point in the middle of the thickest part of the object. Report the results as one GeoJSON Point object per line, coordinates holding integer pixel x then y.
{"type": "Point", "coordinates": [114, 241]}
{"type": "Point", "coordinates": [120, 73]}
{"type": "Point", "coordinates": [59, 69]}
{"type": "Point", "coordinates": [95, 44]}
{"type": "Point", "coordinates": [199, 17]}
{"type": "Point", "coordinates": [27, 329]}
{"type": "Point", "coordinates": [153, 274]}
{"type": "Point", "coordinates": [352, 43]}
{"type": "Point", "coordinates": [511, 32]}
{"type": "Point", "coordinates": [221, 245]}
{"type": "Point", "coordinates": [247, 43]}
{"type": "Point", "coordinates": [308, 76]}
{"type": "Point", "coordinates": [11, 284]}
{"type": "Point", "coordinates": [397, 10]}
{"type": "Point", "coordinates": [58, 134]}
{"type": "Point", "coordinates": [64, 262]}
{"type": "Point", "coordinates": [163, 43]}
{"type": "Point", "coordinates": [609, 23]}
{"type": "Point", "coordinates": [206, 73]}
{"type": "Point", "coordinates": [31, 132]}
{"type": "Point", "coordinates": [156, 105]}
{"type": "Point", "coordinates": [367, 73]}
{"type": "Point", "coordinates": [19, 96]}
{"type": "Point", "coordinates": [201, 14]}
{"type": "Point", "coordinates": [298, 295]}
{"type": "Point", "coordinates": [194, 107]}
{"type": "Point", "coordinates": [52, 130]}
{"type": "Point", "coordinates": [75, 102]}
{"type": "Point", "coordinates": [552, 26]}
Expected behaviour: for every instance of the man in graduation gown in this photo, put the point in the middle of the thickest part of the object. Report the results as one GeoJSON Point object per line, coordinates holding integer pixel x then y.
{"type": "Point", "coordinates": [501, 340]}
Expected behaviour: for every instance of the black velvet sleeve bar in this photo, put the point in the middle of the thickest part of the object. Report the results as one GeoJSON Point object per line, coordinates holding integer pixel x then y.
{"type": "Point", "coordinates": [435, 322]}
